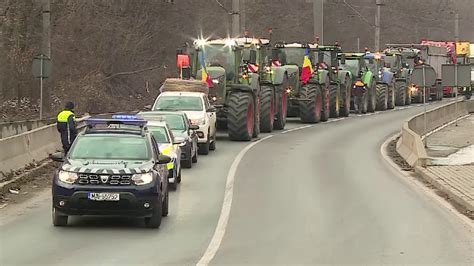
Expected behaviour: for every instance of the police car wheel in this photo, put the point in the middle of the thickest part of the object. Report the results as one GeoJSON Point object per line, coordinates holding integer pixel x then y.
{"type": "Point", "coordinates": [155, 220]}
{"type": "Point", "coordinates": [212, 145]}
{"type": "Point", "coordinates": [164, 211]}
{"type": "Point", "coordinates": [204, 147]}
{"type": "Point", "coordinates": [59, 220]}
{"type": "Point", "coordinates": [178, 178]}
{"type": "Point", "coordinates": [195, 157]}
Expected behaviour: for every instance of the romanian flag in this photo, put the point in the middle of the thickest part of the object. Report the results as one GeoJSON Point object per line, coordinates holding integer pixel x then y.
{"type": "Point", "coordinates": [307, 70]}
{"type": "Point", "coordinates": [205, 76]}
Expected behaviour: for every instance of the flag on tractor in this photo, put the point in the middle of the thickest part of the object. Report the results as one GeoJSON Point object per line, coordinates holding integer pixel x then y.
{"type": "Point", "coordinates": [204, 75]}
{"type": "Point", "coordinates": [307, 70]}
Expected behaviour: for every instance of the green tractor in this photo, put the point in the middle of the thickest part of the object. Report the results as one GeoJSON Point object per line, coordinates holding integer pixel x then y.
{"type": "Point", "coordinates": [363, 82]}
{"type": "Point", "coordinates": [274, 79]}
{"type": "Point", "coordinates": [234, 90]}
{"type": "Point", "coordinates": [340, 79]}
{"type": "Point", "coordinates": [308, 99]}
{"type": "Point", "coordinates": [397, 64]}
{"type": "Point", "coordinates": [384, 90]}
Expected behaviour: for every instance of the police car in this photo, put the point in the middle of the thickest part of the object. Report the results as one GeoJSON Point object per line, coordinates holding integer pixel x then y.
{"type": "Point", "coordinates": [181, 129]}
{"type": "Point", "coordinates": [112, 170]}
{"type": "Point", "coordinates": [169, 146]}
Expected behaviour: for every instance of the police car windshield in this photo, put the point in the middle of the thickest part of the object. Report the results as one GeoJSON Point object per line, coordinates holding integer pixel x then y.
{"type": "Point", "coordinates": [160, 134]}
{"type": "Point", "coordinates": [178, 102]}
{"type": "Point", "coordinates": [175, 122]}
{"type": "Point", "coordinates": [110, 147]}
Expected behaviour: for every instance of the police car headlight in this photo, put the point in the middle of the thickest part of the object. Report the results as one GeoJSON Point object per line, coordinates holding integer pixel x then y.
{"type": "Point", "coordinates": [67, 177]}
{"type": "Point", "coordinates": [142, 179]}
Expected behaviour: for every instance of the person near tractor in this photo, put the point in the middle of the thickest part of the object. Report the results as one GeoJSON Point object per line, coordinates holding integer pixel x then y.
{"type": "Point", "coordinates": [66, 125]}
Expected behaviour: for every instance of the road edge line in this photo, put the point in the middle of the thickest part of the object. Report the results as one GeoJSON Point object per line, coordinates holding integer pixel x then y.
{"type": "Point", "coordinates": [221, 227]}
{"type": "Point", "coordinates": [421, 188]}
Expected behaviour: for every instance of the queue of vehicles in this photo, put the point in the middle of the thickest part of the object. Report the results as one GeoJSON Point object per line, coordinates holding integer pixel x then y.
{"type": "Point", "coordinates": [125, 164]}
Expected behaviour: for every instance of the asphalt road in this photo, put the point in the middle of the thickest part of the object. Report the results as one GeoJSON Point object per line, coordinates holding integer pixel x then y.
{"type": "Point", "coordinates": [322, 194]}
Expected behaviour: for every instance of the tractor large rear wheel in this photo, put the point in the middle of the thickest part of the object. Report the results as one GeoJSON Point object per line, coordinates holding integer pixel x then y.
{"type": "Point", "coordinates": [267, 111]}
{"type": "Point", "coordinates": [241, 116]}
{"type": "Point", "coordinates": [400, 93]}
{"type": "Point", "coordinates": [381, 92]}
{"type": "Point", "coordinates": [334, 100]}
{"type": "Point", "coordinates": [310, 108]}
{"type": "Point", "coordinates": [282, 105]}
{"type": "Point", "coordinates": [372, 98]}
{"type": "Point", "coordinates": [345, 106]}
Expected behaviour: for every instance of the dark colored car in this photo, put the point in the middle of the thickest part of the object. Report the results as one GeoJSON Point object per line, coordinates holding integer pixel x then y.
{"type": "Point", "coordinates": [183, 132]}
{"type": "Point", "coordinates": [112, 170]}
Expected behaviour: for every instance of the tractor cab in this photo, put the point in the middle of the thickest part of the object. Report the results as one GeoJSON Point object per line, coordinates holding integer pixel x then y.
{"type": "Point", "coordinates": [354, 63]}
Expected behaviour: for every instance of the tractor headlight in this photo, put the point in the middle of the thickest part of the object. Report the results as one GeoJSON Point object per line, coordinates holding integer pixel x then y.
{"type": "Point", "coordinates": [67, 177]}
{"type": "Point", "coordinates": [142, 179]}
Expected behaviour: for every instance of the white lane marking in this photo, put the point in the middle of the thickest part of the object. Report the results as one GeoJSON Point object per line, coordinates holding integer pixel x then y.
{"type": "Point", "coordinates": [226, 206]}
{"type": "Point", "coordinates": [335, 120]}
{"type": "Point", "coordinates": [421, 188]}
{"type": "Point", "coordinates": [294, 129]}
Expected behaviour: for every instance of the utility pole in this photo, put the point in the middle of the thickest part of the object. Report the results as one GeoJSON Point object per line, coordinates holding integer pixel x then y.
{"type": "Point", "coordinates": [379, 3]}
{"type": "Point", "coordinates": [318, 19]}
{"type": "Point", "coordinates": [235, 18]}
{"type": "Point", "coordinates": [2, 51]}
{"type": "Point", "coordinates": [46, 50]}
{"type": "Point", "coordinates": [242, 16]}
{"type": "Point", "coordinates": [456, 37]}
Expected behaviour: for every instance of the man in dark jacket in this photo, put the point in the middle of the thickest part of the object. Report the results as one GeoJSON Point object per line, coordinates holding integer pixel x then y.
{"type": "Point", "coordinates": [66, 125]}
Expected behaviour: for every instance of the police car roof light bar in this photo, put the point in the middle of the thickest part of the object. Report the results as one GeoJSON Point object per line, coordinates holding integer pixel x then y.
{"type": "Point", "coordinates": [91, 122]}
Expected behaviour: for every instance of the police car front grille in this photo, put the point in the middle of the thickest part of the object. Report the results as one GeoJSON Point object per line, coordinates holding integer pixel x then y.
{"type": "Point", "coordinates": [95, 179]}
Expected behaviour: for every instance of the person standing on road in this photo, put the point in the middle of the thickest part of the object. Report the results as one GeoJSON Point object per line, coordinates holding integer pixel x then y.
{"type": "Point", "coordinates": [66, 125]}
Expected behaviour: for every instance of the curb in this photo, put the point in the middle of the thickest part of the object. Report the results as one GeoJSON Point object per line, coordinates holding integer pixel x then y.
{"type": "Point", "coordinates": [16, 178]}
{"type": "Point", "coordinates": [421, 188]}
{"type": "Point", "coordinates": [442, 186]}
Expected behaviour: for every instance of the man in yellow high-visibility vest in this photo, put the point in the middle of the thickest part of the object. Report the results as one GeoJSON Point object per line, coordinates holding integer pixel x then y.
{"type": "Point", "coordinates": [66, 125]}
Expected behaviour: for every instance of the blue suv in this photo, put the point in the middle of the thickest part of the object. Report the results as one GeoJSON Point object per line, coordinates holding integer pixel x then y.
{"type": "Point", "coordinates": [113, 168]}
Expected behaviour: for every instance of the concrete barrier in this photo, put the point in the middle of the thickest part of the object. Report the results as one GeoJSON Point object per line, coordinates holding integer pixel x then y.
{"type": "Point", "coordinates": [33, 146]}
{"type": "Point", "coordinates": [410, 145]}
{"type": "Point", "coordinates": [8, 129]}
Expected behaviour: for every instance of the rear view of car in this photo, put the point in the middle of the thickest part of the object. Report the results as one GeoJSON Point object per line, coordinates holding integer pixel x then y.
{"type": "Point", "coordinates": [183, 131]}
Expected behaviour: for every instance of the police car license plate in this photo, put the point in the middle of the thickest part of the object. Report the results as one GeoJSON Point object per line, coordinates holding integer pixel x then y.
{"type": "Point", "coordinates": [104, 196]}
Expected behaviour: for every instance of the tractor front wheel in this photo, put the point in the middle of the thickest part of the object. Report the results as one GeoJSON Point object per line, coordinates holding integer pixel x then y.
{"type": "Point", "coordinates": [381, 92]}
{"type": "Point", "coordinates": [400, 93]}
{"type": "Point", "coordinates": [372, 98]}
{"type": "Point", "coordinates": [267, 111]}
{"type": "Point", "coordinates": [311, 104]}
{"type": "Point", "coordinates": [241, 116]}
{"type": "Point", "coordinates": [334, 98]}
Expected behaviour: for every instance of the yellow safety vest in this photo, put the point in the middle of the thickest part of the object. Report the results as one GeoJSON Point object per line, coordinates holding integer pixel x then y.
{"type": "Point", "coordinates": [64, 116]}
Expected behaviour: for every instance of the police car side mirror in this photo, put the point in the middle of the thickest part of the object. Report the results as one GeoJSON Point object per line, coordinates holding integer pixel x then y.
{"type": "Point", "coordinates": [162, 159]}
{"type": "Point", "coordinates": [57, 157]}
{"type": "Point", "coordinates": [194, 127]}
{"type": "Point", "coordinates": [147, 107]}
{"type": "Point", "coordinates": [211, 109]}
